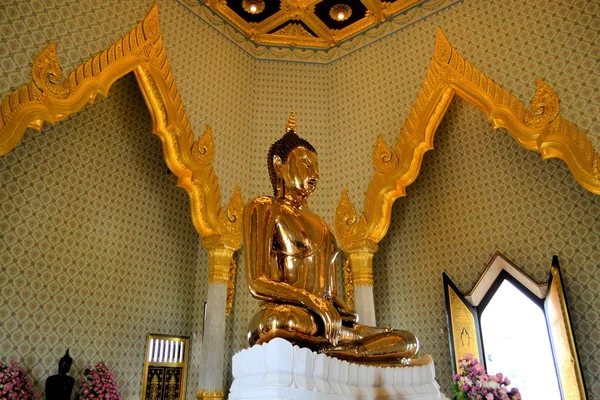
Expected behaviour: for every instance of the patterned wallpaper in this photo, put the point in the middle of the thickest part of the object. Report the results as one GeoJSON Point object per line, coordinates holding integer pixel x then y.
{"type": "Point", "coordinates": [97, 248]}
{"type": "Point", "coordinates": [478, 191]}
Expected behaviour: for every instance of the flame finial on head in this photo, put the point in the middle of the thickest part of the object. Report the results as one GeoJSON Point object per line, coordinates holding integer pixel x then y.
{"type": "Point", "coordinates": [291, 125]}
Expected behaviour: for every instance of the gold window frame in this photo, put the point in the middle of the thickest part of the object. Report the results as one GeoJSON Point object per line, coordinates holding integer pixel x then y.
{"type": "Point", "coordinates": [463, 316]}
{"type": "Point", "coordinates": [184, 364]}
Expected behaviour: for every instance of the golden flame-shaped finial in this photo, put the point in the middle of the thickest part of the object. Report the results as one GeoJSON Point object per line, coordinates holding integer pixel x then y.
{"type": "Point", "coordinates": [291, 125]}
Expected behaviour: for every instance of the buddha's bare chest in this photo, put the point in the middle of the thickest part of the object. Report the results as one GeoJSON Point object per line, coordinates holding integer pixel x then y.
{"type": "Point", "coordinates": [301, 235]}
{"type": "Point", "coordinates": [304, 252]}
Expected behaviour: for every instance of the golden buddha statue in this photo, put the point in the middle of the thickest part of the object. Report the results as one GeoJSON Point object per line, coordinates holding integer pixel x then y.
{"type": "Point", "coordinates": [290, 257]}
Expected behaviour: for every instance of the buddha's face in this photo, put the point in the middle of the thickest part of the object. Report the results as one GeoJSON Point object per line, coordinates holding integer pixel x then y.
{"type": "Point", "coordinates": [300, 172]}
{"type": "Point", "coordinates": [64, 366]}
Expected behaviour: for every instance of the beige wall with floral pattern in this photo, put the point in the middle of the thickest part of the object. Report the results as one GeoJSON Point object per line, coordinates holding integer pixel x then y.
{"type": "Point", "coordinates": [478, 191]}
{"type": "Point", "coordinates": [97, 248]}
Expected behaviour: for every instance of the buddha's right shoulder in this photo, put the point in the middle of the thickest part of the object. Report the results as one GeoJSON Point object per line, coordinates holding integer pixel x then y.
{"type": "Point", "coordinates": [261, 202]}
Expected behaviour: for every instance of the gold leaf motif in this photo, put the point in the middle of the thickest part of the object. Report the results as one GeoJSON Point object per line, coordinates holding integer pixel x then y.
{"type": "Point", "coordinates": [346, 219]}
{"type": "Point", "coordinates": [544, 106]}
{"type": "Point", "coordinates": [443, 49]}
{"type": "Point", "coordinates": [47, 73]}
{"type": "Point", "coordinates": [384, 159]}
{"type": "Point", "coordinates": [293, 29]}
{"type": "Point", "coordinates": [348, 284]}
{"type": "Point", "coordinates": [150, 25]}
{"type": "Point", "coordinates": [203, 149]}
{"type": "Point", "coordinates": [231, 219]}
{"type": "Point", "coordinates": [154, 388]}
{"type": "Point", "coordinates": [171, 391]}
{"type": "Point", "coordinates": [345, 213]}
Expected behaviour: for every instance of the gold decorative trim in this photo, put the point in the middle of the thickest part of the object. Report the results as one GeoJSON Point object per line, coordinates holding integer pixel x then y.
{"type": "Point", "coordinates": [361, 264]}
{"type": "Point", "coordinates": [540, 128]}
{"type": "Point", "coordinates": [231, 287]}
{"type": "Point", "coordinates": [295, 10]}
{"type": "Point", "coordinates": [209, 394]}
{"type": "Point", "coordinates": [563, 342]}
{"type": "Point", "coordinates": [293, 29]}
{"type": "Point", "coordinates": [219, 266]}
{"type": "Point", "coordinates": [464, 329]}
{"type": "Point", "coordinates": [47, 97]}
{"type": "Point", "coordinates": [348, 284]}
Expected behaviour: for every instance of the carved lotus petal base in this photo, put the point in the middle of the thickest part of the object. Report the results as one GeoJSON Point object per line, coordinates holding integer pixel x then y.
{"type": "Point", "coordinates": [280, 370]}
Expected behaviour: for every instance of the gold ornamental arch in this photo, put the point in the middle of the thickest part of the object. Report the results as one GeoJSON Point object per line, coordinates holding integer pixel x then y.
{"type": "Point", "coordinates": [48, 97]}
{"type": "Point", "coordinates": [538, 128]}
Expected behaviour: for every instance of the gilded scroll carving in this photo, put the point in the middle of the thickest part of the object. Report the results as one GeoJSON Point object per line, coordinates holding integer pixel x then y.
{"type": "Point", "coordinates": [540, 128]}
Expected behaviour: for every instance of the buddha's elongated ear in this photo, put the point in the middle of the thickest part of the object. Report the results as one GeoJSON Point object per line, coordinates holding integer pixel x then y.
{"type": "Point", "coordinates": [277, 165]}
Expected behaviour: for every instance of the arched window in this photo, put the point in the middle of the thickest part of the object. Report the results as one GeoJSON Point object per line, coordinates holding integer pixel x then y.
{"type": "Point", "coordinates": [515, 339]}
{"type": "Point", "coordinates": [518, 327]}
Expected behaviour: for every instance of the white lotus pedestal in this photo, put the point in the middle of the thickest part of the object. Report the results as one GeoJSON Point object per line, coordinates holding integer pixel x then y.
{"type": "Point", "coordinates": [278, 370]}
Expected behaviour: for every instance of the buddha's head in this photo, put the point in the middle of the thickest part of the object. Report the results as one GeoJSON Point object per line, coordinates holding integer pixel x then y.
{"type": "Point", "coordinates": [293, 164]}
{"type": "Point", "coordinates": [64, 364]}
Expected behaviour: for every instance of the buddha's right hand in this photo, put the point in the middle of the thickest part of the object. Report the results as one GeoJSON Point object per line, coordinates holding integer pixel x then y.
{"type": "Point", "coordinates": [331, 318]}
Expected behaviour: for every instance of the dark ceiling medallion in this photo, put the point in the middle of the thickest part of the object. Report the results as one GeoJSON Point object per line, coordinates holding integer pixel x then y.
{"type": "Point", "coordinates": [340, 12]}
{"type": "Point", "coordinates": [324, 11]}
{"type": "Point", "coordinates": [253, 6]}
{"type": "Point", "coordinates": [306, 23]}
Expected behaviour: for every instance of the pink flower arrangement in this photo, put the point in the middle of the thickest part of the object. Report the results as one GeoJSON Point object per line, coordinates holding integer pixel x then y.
{"type": "Point", "coordinates": [99, 383]}
{"type": "Point", "coordinates": [14, 383]}
{"type": "Point", "coordinates": [473, 383]}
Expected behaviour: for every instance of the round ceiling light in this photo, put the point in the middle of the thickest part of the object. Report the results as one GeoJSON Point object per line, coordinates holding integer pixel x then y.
{"type": "Point", "coordinates": [253, 6]}
{"type": "Point", "coordinates": [340, 12]}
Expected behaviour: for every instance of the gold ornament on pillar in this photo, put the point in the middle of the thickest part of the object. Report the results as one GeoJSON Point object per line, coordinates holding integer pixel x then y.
{"type": "Point", "coordinates": [290, 258]}
{"type": "Point", "coordinates": [348, 284]}
{"type": "Point", "coordinates": [231, 287]}
{"type": "Point", "coordinates": [210, 394]}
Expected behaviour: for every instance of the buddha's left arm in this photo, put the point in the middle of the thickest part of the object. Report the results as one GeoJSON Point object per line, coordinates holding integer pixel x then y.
{"type": "Point", "coordinates": [347, 313]}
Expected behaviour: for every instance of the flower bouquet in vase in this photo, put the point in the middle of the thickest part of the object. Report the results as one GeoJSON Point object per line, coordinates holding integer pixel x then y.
{"type": "Point", "coordinates": [99, 383]}
{"type": "Point", "coordinates": [473, 383]}
{"type": "Point", "coordinates": [14, 383]}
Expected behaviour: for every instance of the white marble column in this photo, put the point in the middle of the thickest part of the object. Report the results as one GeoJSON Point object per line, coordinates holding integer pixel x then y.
{"type": "Point", "coordinates": [213, 342]}
{"type": "Point", "coordinates": [361, 264]}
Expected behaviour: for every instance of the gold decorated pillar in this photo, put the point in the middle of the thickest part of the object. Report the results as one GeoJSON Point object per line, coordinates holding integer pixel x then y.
{"type": "Point", "coordinates": [361, 266]}
{"type": "Point", "coordinates": [212, 361]}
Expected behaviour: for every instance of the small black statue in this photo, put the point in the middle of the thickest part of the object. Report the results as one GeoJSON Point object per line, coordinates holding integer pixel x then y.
{"type": "Point", "coordinates": [60, 386]}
